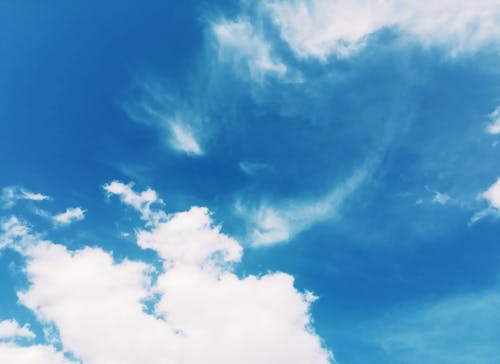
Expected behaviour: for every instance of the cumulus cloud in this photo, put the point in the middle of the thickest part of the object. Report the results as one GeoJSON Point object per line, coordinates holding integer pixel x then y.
{"type": "Point", "coordinates": [72, 214]}
{"type": "Point", "coordinates": [10, 329]}
{"type": "Point", "coordinates": [141, 201]}
{"type": "Point", "coordinates": [240, 43]}
{"type": "Point", "coordinates": [494, 126]}
{"type": "Point", "coordinates": [194, 309]}
{"type": "Point", "coordinates": [11, 194]}
{"type": "Point", "coordinates": [189, 238]}
{"type": "Point", "coordinates": [35, 354]}
{"type": "Point", "coordinates": [319, 28]}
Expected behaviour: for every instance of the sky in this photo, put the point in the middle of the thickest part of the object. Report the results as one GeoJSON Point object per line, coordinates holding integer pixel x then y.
{"type": "Point", "coordinates": [282, 182]}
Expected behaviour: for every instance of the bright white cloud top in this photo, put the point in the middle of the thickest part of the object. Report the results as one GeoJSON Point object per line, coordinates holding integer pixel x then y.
{"type": "Point", "coordinates": [319, 28]}
{"type": "Point", "coordinates": [72, 214]}
{"type": "Point", "coordinates": [194, 309]}
{"type": "Point", "coordinates": [492, 194]}
{"type": "Point", "coordinates": [183, 140]}
{"type": "Point", "coordinates": [10, 329]}
{"type": "Point", "coordinates": [35, 354]}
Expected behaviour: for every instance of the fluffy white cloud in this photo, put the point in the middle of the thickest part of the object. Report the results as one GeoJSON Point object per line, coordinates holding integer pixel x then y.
{"type": "Point", "coordinates": [10, 329]}
{"type": "Point", "coordinates": [492, 194]}
{"type": "Point", "coordinates": [11, 194]}
{"type": "Point", "coordinates": [15, 235]}
{"type": "Point", "coordinates": [140, 201]}
{"type": "Point", "coordinates": [194, 310]}
{"type": "Point", "coordinates": [71, 214]}
{"type": "Point", "coordinates": [188, 237]}
{"type": "Point", "coordinates": [36, 354]}
{"type": "Point", "coordinates": [319, 28]}
{"type": "Point", "coordinates": [494, 127]}
{"type": "Point", "coordinates": [240, 43]}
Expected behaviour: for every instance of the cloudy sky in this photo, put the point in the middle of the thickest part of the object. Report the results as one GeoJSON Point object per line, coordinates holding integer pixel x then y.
{"type": "Point", "coordinates": [275, 181]}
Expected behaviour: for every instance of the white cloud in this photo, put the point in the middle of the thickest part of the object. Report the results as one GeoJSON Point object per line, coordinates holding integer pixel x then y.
{"type": "Point", "coordinates": [319, 28]}
{"type": "Point", "coordinates": [36, 354]}
{"type": "Point", "coordinates": [11, 194]}
{"type": "Point", "coordinates": [494, 127]}
{"type": "Point", "coordinates": [69, 216]}
{"type": "Point", "coordinates": [183, 140]}
{"type": "Point", "coordinates": [441, 198]}
{"type": "Point", "coordinates": [188, 238]}
{"type": "Point", "coordinates": [276, 223]}
{"type": "Point", "coordinates": [10, 329]}
{"type": "Point", "coordinates": [179, 124]}
{"type": "Point", "coordinates": [194, 310]}
{"type": "Point", "coordinates": [15, 235]}
{"type": "Point", "coordinates": [140, 201]}
{"type": "Point", "coordinates": [240, 43]}
{"type": "Point", "coordinates": [492, 194]}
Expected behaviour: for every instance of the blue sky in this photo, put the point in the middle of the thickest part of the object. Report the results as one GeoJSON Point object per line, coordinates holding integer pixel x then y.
{"type": "Point", "coordinates": [304, 181]}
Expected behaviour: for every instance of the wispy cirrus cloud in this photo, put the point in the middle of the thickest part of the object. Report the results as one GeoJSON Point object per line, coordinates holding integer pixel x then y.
{"type": "Point", "coordinates": [179, 125]}
{"type": "Point", "coordinates": [279, 222]}
{"type": "Point", "coordinates": [456, 330]}
{"type": "Point", "coordinates": [241, 44]}
{"type": "Point", "coordinates": [11, 194]}
{"type": "Point", "coordinates": [254, 168]}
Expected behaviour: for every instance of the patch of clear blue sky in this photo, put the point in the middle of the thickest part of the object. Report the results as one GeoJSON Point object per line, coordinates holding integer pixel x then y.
{"type": "Point", "coordinates": [65, 70]}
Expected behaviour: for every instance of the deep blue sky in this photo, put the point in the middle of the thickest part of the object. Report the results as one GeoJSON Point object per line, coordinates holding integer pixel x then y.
{"type": "Point", "coordinates": [391, 263]}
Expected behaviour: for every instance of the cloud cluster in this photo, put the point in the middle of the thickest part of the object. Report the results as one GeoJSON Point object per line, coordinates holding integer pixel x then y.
{"type": "Point", "coordinates": [34, 354]}
{"type": "Point", "coordinates": [194, 309]}
{"type": "Point", "coordinates": [320, 28]}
